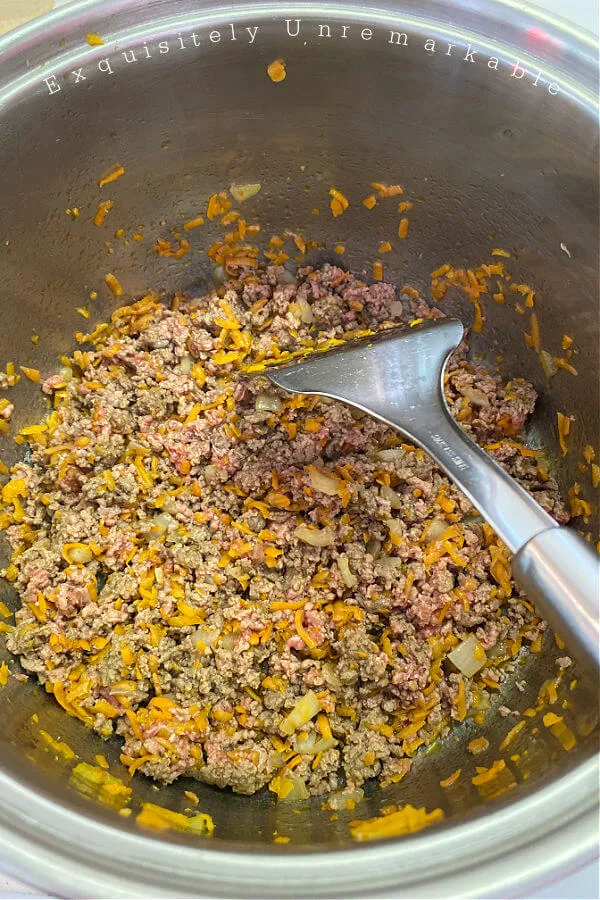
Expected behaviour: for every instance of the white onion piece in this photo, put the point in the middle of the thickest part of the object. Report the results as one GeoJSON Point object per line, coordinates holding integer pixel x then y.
{"type": "Point", "coordinates": [80, 555]}
{"type": "Point", "coordinates": [219, 276]}
{"type": "Point", "coordinates": [393, 498]}
{"type": "Point", "coordinates": [312, 745]}
{"type": "Point", "coordinates": [321, 481]}
{"type": "Point", "coordinates": [374, 547]}
{"type": "Point", "coordinates": [210, 474]}
{"type": "Point", "coordinates": [276, 760]}
{"type": "Point", "coordinates": [241, 192]}
{"type": "Point", "coordinates": [299, 790]}
{"type": "Point", "coordinates": [227, 642]}
{"type": "Point", "coordinates": [207, 636]}
{"type": "Point", "coordinates": [164, 521]}
{"type": "Point", "coordinates": [469, 657]}
{"type": "Point", "coordinates": [267, 403]}
{"type": "Point", "coordinates": [388, 565]}
{"type": "Point", "coordinates": [389, 453]}
{"type": "Point", "coordinates": [330, 675]}
{"type": "Point", "coordinates": [475, 397]}
{"type": "Point", "coordinates": [66, 373]}
{"type": "Point", "coordinates": [339, 799]}
{"type": "Point", "coordinates": [286, 277]}
{"type": "Point", "coordinates": [434, 530]}
{"type": "Point", "coordinates": [396, 528]}
{"type": "Point", "coordinates": [306, 312]}
{"type": "Point", "coordinates": [186, 364]}
{"type": "Point", "coordinates": [171, 506]}
{"type": "Point", "coordinates": [396, 307]}
{"type": "Point", "coordinates": [344, 566]}
{"type": "Point", "coordinates": [316, 537]}
{"type": "Point", "coordinates": [303, 711]}
{"type": "Point", "coordinates": [548, 363]}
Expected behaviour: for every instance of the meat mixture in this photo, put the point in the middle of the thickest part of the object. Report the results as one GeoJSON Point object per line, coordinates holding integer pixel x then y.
{"type": "Point", "coordinates": [252, 588]}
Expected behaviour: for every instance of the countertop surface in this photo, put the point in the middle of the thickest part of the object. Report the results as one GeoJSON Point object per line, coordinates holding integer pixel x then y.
{"type": "Point", "coordinates": [582, 885]}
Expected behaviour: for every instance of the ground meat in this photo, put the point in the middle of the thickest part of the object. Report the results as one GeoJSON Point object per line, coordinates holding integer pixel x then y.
{"type": "Point", "coordinates": [169, 594]}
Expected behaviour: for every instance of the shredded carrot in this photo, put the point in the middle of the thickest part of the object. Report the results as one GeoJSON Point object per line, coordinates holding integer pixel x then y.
{"type": "Point", "coordinates": [403, 228]}
{"type": "Point", "coordinates": [111, 174]}
{"type": "Point", "coordinates": [338, 203]}
{"type": "Point", "coordinates": [31, 374]}
{"type": "Point", "coordinates": [113, 284]}
{"type": "Point", "coordinates": [405, 820]}
{"type": "Point", "coordinates": [193, 223]}
{"type": "Point", "coordinates": [564, 429]}
{"type": "Point", "coordinates": [387, 190]}
{"type": "Point", "coordinates": [451, 779]}
{"type": "Point", "coordinates": [103, 207]}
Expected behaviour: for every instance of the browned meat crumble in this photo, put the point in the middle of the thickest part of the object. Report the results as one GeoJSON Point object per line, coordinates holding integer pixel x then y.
{"type": "Point", "coordinates": [250, 588]}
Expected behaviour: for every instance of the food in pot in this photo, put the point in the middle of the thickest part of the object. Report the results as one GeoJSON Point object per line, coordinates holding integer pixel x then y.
{"type": "Point", "coordinates": [252, 588]}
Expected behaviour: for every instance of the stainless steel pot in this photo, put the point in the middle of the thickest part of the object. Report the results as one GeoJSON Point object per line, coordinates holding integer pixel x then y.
{"type": "Point", "coordinates": [485, 112]}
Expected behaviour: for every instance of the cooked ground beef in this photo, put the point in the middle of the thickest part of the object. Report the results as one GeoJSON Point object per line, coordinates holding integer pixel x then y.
{"type": "Point", "coordinates": [251, 588]}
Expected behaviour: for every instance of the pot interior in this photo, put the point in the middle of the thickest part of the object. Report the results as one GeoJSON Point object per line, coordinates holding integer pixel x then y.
{"type": "Point", "coordinates": [490, 129]}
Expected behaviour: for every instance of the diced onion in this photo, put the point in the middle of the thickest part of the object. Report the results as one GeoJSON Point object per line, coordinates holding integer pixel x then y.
{"type": "Point", "coordinates": [227, 642]}
{"type": "Point", "coordinates": [186, 364]}
{"type": "Point", "coordinates": [299, 790]}
{"type": "Point", "coordinates": [396, 527]}
{"type": "Point", "coordinates": [330, 675]}
{"type": "Point", "coordinates": [219, 276]}
{"type": "Point", "coordinates": [241, 192]}
{"type": "Point", "coordinates": [66, 373]}
{"type": "Point", "coordinates": [374, 547]}
{"type": "Point", "coordinates": [498, 651]}
{"type": "Point", "coordinates": [171, 506]}
{"type": "Point", "coordinates": [393, 498]}
{"type": "Point", "coordinates": [164, 521]}
{"type": "Point", "coordinates": [286, 277]}
{"type": "Point", "coordinates": [396, 307]}
{"type": "Point", "coordinates": [341, 799]}
{"type": "Point", "coordinates": [388, 565]}
{"type": "Point", "coordinates": [390, 453]}
{"type": "Point", "coordinates": [304, 710]}
{"type": "Point", "coordinates": [305, 310]}
{"type": "Point", "coordinates": [210, 474]}
{"type": "Point", "coordinates": [276, 760]}
{"type": "Point", "coordinates": [316, 537]}
{"type": "Point", "coordinates": [321, 481]}
{"type": "Point", "coordinates": [267, 403]}
{"type": "Point", "coordinates": [344, 567]}
{"type": "Point", "coordinates": [469, 657]}
{"type": "Point", "coordinates": [477, 398]}
{"type": "Point", "coordinates": [548, 363]}
{"type": "Point", "coordinates": [313, 744]}
{"type": "Point", "coordinates": [207, 637]}
{"type": "Point", "coordinates": [79, 554]}
{"type": "Point", "coordinates": [434, 530]}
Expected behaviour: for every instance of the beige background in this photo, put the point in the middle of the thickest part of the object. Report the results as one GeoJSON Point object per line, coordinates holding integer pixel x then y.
{"type": "Point", "coordinates": [15, 12]}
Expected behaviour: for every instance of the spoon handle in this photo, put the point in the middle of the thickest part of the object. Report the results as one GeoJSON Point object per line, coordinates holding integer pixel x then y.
{"type": "Point", "coordinates": [557, 568]}
{"type": "Point", "coordinates": [397, 376]}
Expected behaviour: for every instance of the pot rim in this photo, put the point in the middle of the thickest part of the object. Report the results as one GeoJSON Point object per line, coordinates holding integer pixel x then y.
{"type": "Point", "coordinates": [41, 836]}
{"type": "Point", "coordinates": [94, 850]}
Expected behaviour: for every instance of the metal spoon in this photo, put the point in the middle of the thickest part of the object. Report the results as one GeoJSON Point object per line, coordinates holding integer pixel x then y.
{"type": "Point", "coordinates": [397, 377]}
